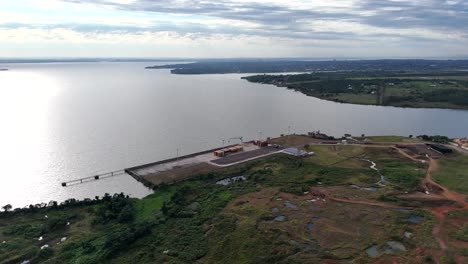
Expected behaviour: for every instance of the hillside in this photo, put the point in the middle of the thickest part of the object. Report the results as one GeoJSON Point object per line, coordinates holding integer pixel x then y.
{"type": "Point", "coordinates": [326, 208]}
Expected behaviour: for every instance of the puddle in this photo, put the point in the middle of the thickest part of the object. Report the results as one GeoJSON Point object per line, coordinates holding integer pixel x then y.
{"type": "Point", "coordinates": [310, 226]}
{"type": "Point", "coordinates": [280, 218]}
{"type": "Point", "coordinates": [290, 205]}
{"type": "Point", "coordinates": [414, 219]}
{"type": "Point", "coordinates": [371, 189]}
{"type": "Point", "coordinates": [391, 247]}
{"type": "Point", "coordinates": [231, 180]}
{"type": "Point", "coordinates": [373, 252]}
{"type": "Point", "coordinates": [274, 210]}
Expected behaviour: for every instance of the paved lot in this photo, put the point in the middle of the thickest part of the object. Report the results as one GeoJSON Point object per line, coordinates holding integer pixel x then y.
{"type": "Point", "coordinates": [185, 162]}
{"type": "Point", "coordinates": [153, 169]}
{"type": "Point", "coordinates": [243, 156]}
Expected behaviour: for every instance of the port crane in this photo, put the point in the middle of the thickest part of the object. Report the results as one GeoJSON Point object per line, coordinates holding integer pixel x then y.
{"type": "Point", "coordinates": [239, 138]}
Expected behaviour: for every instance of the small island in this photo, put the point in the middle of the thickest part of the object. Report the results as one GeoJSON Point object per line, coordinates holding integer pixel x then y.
{"type": "Point", "coordinates": [3, 69]}
{"type": "Point", "coordinates": [414, 89]}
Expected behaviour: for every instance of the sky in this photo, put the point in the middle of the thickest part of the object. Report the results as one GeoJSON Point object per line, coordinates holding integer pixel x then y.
{"type": "Point", "coordinates": [228, 29]}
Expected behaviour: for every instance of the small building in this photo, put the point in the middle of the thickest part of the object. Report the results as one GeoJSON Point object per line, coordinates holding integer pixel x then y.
{"type": "Point", "coordinates": [297, 152]}
{"type": "Point", "coordinates": [219, 153]}
{"type": "Point", "coordinates": [461, 142]}
{"type": "Point", "coordinates": [223, 152]}
{"type": "Point", "coordinates": [261, 143]}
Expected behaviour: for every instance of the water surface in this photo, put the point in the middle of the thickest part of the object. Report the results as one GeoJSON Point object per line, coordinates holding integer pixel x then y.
{"type": "Point", "coordinates": [64, 121]}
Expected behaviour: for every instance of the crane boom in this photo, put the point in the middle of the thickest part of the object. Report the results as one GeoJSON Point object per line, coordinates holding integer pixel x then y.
{"type": "Point", "coordinates": [239, 138]}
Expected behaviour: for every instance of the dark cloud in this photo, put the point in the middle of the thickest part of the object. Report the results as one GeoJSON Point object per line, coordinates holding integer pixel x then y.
{"type": "Point", "coordinates": [386, 13]}
{"type": "Point", "coordinates": [429, 14]}
{"type": "Point", "coordinates": [288, 22]}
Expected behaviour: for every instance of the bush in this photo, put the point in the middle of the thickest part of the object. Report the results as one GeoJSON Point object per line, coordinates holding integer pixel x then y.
{"type": "Point", "coordinates": [428, 259]}
{"type": "Point", "coordinates": [295, 189]}
{"type": "Point", "coordinates": [44, 254]}
{"type": "Point", "coordinates": [118, 207]}
{"type": "Point", "coordinates": [25, 230]}
{"type": "Point", "coordinates": [407, 179]}
{"type": "Point", "coordinates": [462, 234]}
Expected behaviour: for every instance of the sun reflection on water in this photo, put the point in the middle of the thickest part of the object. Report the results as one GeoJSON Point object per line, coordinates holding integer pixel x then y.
{"type": "Point", "coordinates": [25, 100]}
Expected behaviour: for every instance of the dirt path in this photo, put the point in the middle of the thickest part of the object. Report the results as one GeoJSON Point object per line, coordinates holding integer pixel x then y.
{"type": "Point", "coordinates": [403, 153]}
{"type": "Point", "coordinates": [440, 212]}
{"type": "Point", "coordinates": [451, 195]}
{"type": "Point", "coordinates": [364, 202]}
{"type": "Point", "coordinates": [434, 191]}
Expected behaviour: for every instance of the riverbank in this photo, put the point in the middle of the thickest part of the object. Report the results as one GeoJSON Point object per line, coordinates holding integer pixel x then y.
{"type": "Point", "coordinates": [292, 208]}
{"type": "Point", "coordinates": [432, 89]}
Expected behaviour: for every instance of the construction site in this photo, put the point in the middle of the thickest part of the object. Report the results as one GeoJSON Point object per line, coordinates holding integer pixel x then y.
{"type": "Point", "coordinates": [180, 168]}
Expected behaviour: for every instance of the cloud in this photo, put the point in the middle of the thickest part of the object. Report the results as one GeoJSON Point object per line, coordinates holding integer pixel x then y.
{"type": "Point", "coordinates": [334, 23]}
{"type": "Point", "coordinates": [388, 13]}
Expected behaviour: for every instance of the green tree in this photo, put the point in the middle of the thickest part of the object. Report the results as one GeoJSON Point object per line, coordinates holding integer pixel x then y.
{"type": "Point", "coordinates": [7, 207]}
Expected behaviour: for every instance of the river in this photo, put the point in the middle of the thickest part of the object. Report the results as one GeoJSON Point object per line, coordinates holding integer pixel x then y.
{"type": "Point", "coordinates": [62, 121]}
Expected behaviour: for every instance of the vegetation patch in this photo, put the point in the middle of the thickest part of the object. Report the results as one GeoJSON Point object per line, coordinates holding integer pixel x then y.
{"type": "Point", "coordinates": [453, 172]}
{"type": "Point", "coordinates": [403, 89]}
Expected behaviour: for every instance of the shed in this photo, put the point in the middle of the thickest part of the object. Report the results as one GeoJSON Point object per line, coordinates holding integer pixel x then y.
{"type": "Point", "coordinates": [296, 152]}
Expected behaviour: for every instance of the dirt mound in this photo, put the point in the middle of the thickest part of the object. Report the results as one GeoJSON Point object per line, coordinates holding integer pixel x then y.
{"type": "Point", "coordinates": [429, 200]}
{"type": "Point", "coordinates": [428, 187]}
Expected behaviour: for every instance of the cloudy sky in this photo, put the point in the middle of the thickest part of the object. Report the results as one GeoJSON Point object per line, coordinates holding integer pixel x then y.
{"type": "Point", "coordinates": [228, 28]}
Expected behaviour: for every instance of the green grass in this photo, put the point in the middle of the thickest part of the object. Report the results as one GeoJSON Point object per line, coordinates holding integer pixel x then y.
{"type": "Point", "coordinates": [392, 139]}
{"type": "Point", "coordinates": [149, 206]}
{"type": "Point", "coordinates": [365, 99]}
{"type": "Point", "coordinates": [198, 220]}
{"type": "Point", "coordinates": [336, 155]}
{"type": "Point", "coordinates": [426, 91]}
{"type": "Point", "coordinates": [453, 173]}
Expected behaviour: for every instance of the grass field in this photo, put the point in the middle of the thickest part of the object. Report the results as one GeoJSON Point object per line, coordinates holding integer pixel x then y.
{"type": "Point", "coordinates": [453, 173]}
{"type": "Point", "coordinates": [413, 90]}
{"type": "Point", "coordinates": [393, 139]}
{"type": "Point", "coordinates": [310, 231]}
{"type": "Point", "coordinates": [198, 221]}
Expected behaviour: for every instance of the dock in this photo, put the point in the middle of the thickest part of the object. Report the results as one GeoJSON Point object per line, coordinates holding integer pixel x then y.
{"type": "Point", "coordinates": [166, 164]}
{"type": "Point", "coordinates": [176, 169]}
{"type": "Point", "coordinates": [93, 178]}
